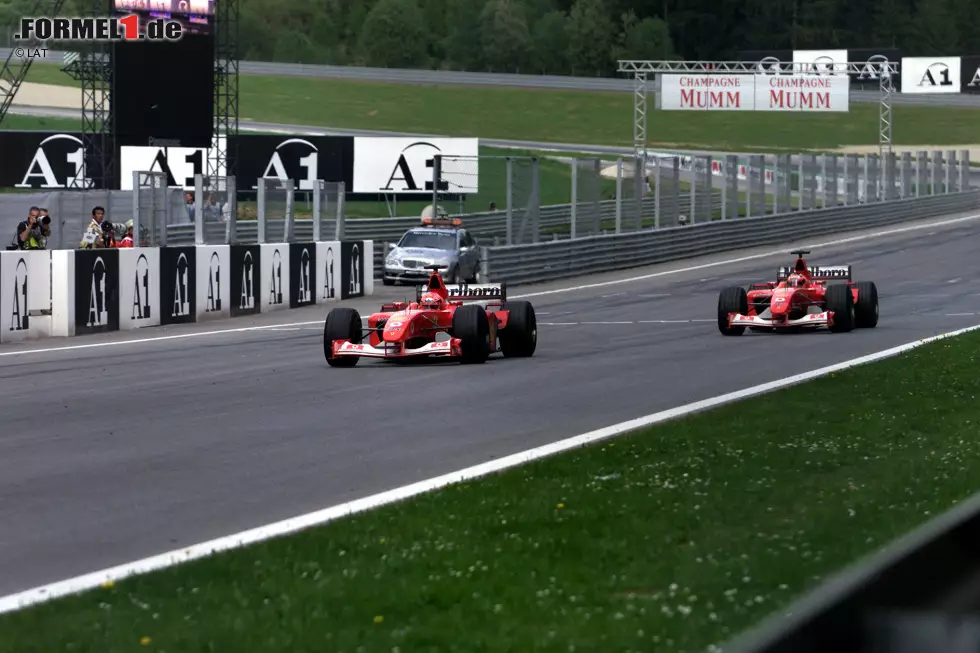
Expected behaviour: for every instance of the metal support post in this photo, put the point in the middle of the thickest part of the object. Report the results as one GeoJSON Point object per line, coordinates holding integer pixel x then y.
{"type": "Point", "coordinates": [865, 180]}
{"type": "Point", "coordinates": [937, 162]}
{"type": "Point", "coordinates": [340, 224]}
{"type": "Point", "coordinates": [885, 111]}
{"type": "Point", "coordinates": [731, 173]}
{"type": "Point", "coordinates": [619, 195]}
{"type": "Point", "coordinates": [198, 209]}
{"type": "Point", "coordinates": [536, 195]}
{"type": "Point", "coordinates": [832, 181]}
{"type": "Point", "coordinates": [826, 181]}
{"type": "Point", "coordinates": [260, 210]}
{"type": "Point", "coordinates": [436, 178]}
{"type": "Point", "coordinates": [800, 185]}
{"type": "Point", "coordinates": [640, 115]}
{"type": "Point", "coordinates": [964, 170]}
{"type": "Point", "coordinates": [694, 190]}
{"type": "Point", "coordinates": [574, 207]}
{"type": "Point", "coordinates": [656, 192]}
{"type": "Point", "coordinates": [137, 211]}
{"type": "Point", "coordinates": [905, 176]}
{"type": "Point", "coordinates": [950, 166]}
{"type": "Point", "coordinates": [675, 189]}
{"type": "Point", "coordinates": [289, 222]}
{"type": "Point", "coordinates": [510, 201]}
{"type": "Point", "coordinates": [320, 187]}
{"type": "Point", "coordinates": [921, 167]}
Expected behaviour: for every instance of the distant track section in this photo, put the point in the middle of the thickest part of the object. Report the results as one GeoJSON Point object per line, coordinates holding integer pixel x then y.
{"type": "Point", "coordinates": [557, 82]}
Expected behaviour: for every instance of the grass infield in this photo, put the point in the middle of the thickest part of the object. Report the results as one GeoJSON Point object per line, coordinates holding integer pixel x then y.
{"type": "Point", "coordinates": [671, 539]}
{"type": "Point", "coordinates": [604, 118]}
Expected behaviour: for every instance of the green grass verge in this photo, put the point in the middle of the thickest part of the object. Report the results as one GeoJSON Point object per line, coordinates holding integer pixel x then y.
{"type": "Point", "coordinates": [668, 540]}
{"type": "Point", "coordinates": [569, 116]}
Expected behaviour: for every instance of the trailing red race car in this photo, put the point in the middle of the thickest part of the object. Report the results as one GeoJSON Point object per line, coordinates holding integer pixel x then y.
{"type": "Point", "coordinates": [465, 321]}
{"type": "Point", "coordinates": [800, 297]}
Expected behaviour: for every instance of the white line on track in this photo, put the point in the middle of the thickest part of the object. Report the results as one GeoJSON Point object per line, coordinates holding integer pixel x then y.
{"type": "Point", "coordinates": [95, 579]}
{"type": "Point", "coordinates": [960, 314]}
{"type": "Point", "coordinates": [554, 291]}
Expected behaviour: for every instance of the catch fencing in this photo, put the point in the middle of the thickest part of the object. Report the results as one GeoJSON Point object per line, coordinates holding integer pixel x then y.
{"type": "Point", "coordinates": [520, 200]}
{"type": "Point", "coordinates": [521, 264]}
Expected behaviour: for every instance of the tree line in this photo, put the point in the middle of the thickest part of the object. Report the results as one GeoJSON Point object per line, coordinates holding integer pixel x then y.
{"type": "Point", "coordinates": [577, 37]}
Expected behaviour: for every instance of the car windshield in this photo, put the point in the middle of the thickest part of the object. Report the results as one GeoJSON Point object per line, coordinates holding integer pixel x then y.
{"type": "Point", "coordinates": [428, 239]}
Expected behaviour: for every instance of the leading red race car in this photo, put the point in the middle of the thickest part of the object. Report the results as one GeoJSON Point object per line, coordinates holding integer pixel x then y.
{"type": "Point", "coordinates": [463, 321]}
{"type": "Point", "coordinates": [800, 297]}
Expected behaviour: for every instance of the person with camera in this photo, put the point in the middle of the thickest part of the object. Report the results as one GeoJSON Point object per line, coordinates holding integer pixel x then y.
{"type": "Point", "coordinates": [99, 233]}
{"type": "Point", "coordinates": [33, 232]}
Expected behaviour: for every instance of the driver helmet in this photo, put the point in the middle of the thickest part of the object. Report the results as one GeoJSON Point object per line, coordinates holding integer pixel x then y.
{"type": "Point", "coordinates": [431, 301]}
{"type": "Point", "coordinates": [795, 281]}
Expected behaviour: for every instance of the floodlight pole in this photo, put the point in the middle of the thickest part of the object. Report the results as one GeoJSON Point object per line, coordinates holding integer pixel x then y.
{"type": "Point", "coordinates": [641, 69]}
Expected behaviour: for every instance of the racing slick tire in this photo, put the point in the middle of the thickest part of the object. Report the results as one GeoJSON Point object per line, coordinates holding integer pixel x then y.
{"type": "Point", "coordinates": [866, 308]}
{"type": "Point", "coordinates": [733, 299]}
{"type": "Point", "coordinates": [470, 324]}
{"type": "Point", "coordinates": [342, 323]}
{"type": "Point", "coordinates": [520, 338]}
{"type": "Point", "coordinates": [840, 300]}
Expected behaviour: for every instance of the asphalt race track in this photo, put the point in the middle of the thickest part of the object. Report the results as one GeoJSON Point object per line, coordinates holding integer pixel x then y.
{"type": "Point", "coordinates": [113, 453]}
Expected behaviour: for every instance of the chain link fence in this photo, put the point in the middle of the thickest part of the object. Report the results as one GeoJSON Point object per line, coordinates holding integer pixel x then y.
{"type": "Point", "coordinates": [586, 193]}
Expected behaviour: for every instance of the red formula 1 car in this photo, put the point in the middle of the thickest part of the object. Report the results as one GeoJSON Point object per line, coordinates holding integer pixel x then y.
{"type": "Point", "coordinates": [467, 322]}
{"type": "Point", "coordinates": [800, 297]}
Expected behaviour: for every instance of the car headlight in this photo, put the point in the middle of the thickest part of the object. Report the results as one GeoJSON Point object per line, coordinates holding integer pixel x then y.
{"type": "Point", "coordinates": [393, 260]}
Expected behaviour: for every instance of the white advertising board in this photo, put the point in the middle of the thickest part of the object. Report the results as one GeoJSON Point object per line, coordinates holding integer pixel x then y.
{"type": "Point", "coordinates": [397, 165]}
{"type": "Point", "coordinates": [213, 282]}
{"type": "Point", "coordinates": [180, 163]}
{"type": "Point", "coordinates": [750, 92]}
{"type": "Point", "coordinates": [274, 277]}
{"type": "Point", "coordinates": [327, 283]}
{"type": "Point", "coordinates": [139, 287]}
{"type": "Point", "coordinates": [25, 287]}
{"type": "Point", "coordinates": [931, 74]}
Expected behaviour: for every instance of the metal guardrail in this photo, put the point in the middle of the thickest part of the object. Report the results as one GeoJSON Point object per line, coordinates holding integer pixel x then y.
{"type": "Point", "coordinates": [520, 264]}
{"type": "Point", "coordinates": [461, 78]}
{"type": "Point", "coordinates": [487, 225]}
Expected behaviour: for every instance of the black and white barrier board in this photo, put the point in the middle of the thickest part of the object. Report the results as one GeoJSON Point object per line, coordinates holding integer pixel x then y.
{"type": "Point", "coordinates": [302, 272]}
{"type": "Point", "coordinates": [76, 292]}
{"type": "Point", "coordinates": [245, 264]}
{"type": "Point", "coordinates": [213, 287]}
{"type": "Point", "coordinates": [139, 288]}
{"type": "Point", "coordinates": [275, 277]}
{"type": "Point", "coordinates": [94, 284]}
{"type": "Point", "coordinates": [178, 268]}
{"type": "Point", "coordinates": [25, 282]}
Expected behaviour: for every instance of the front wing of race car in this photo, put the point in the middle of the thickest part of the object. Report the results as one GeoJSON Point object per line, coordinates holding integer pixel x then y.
{"type": "Point", "coordinates": [813, 319]}
{"type": "Point", "coordinates": [450, 348]}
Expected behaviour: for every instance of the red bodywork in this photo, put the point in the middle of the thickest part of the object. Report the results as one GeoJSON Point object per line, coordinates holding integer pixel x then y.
{"type": "Point", "coordinates": [403, 330]}
{"type": "Point", "coordinates": [775, 304]}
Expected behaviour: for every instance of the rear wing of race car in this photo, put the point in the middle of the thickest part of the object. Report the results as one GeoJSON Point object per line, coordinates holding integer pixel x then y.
{"type": "Point", "coordinates": [471, 292]}
{"type": "Point", "coordinates": [820, 272]}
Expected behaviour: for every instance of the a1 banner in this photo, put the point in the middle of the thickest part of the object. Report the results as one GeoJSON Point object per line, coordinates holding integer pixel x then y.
{"type": "Point", "coordinates": [178, 276]}
{"type": "Point", "coordinates": [213, 286]}
{"type": "Point", "coordinates": [868, 76]}
{"type": "Point", "coordinates": [304, 159]}
{"type": "Point", "coordinates": [931, 75]}
{"type": "Point", "coordinates": [970, 74]}
{"type": "Point", "coordinates": [327, 271]}
{"type": "Point", "coordinates": [274, 277]}
{"type": "Point", "coordinates": [302, 274]}
{"type": "Point", "coordinates": [245, 261]}
{"type": "Point", "coordinates": [139, 287]}
{"type": "Point", "coordinates": [96, 290]}
{"type": "Point", "coordinates": [352, 269]}
{"type": "Point", "coordinates": [768, 62]}
{"type": "Point", "coordinates": [16, 281]}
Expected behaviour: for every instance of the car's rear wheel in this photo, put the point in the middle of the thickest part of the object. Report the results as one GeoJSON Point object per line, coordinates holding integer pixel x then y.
{"type": "Point", "coordinates": [520, 338]}
{"type": "Point", "coordinates": [840, 300]}
{"type": "Point", "coordinates": [342, 323]}
{"type": "Point", "coordinates": [866, 308]}
{"type": "Point", "coordinates": [733, 299]}
{"type": "Point", "coordinates": [470, 324]}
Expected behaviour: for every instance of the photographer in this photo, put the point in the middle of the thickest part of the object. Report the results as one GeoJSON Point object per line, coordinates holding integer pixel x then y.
{"type": "Point", "coordinates": [33, 232]}
{"type": "Point", "coordinates": [95, 236]}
